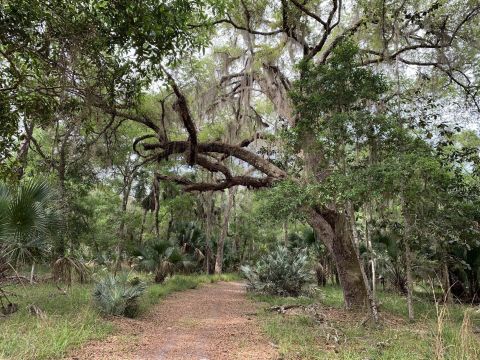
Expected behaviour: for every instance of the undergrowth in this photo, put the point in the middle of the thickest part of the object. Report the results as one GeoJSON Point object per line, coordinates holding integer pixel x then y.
{"type": "Point", "coordinates": [341, 335]}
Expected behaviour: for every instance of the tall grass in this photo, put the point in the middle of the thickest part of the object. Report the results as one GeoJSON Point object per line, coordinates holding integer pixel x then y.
{"type": "Point", "coordinates": [69, 322]}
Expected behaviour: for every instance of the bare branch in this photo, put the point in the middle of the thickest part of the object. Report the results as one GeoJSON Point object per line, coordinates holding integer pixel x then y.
{"type": "Point", "coordinates": [258, 162]}
{"type": "Point", "coordinates": [333, 44]}
{"type": "Point", "coordinates": [204, 162]}
{"type": "Point", "coordinates": [189, 185]}
{"type": "Point", "coordinates": [472, 13]}
{"type": "Point", "coordinates": [134, 117]}
{"type": "Point", "coordinates": [304, 9]}
{"type": "Point", "coordinates": [251, 31]}
{"type": "Point", "coordinates": [181, 107]}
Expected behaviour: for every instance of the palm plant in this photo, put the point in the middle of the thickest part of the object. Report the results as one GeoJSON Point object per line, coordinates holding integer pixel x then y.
{"type": "Point", "coordinates": [118, 295]}
{"type": "Point", "coordinates": [163, 258]}
{"type": "Point", "coordinates": [27, 221]}
{"type": "Point", "coordinates": [192, 240]}
{"type": "Point", "coordinates": [280, 272]}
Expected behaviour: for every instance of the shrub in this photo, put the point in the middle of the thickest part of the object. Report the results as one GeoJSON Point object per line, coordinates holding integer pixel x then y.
{"type": "Point", "coordinates": [116, 295]}
{"type": "Point", "coordinates": [281, 272]}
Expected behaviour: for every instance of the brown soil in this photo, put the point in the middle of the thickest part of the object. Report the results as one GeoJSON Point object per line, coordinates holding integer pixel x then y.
{"type": "Point", "coordinates": [215, 321]}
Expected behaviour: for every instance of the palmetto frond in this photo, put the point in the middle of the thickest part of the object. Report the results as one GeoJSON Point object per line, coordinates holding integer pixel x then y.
{"type": "Point", "coordinates": [4, 207]}
{"type": "Point", "coordinates": [28, 209]}
{"type": "Point", "coordinates": [161, 246]}
{"type": "Point", "coordinates": [27, 219]}
{"type": "Point", "coordinates": [117, 295]}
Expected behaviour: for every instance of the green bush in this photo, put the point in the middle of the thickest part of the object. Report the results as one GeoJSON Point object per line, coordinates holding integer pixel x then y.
{"type": "Point", "coordinates": [117, 295]}
{"type": "Point", "coordinates": [282, 272]}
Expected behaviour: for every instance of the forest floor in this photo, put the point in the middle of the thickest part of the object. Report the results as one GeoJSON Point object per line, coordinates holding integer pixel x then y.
{"type": "Point", "coordinates": [321, 329]}
{"type": "Point", "coordinates": [215, 321]}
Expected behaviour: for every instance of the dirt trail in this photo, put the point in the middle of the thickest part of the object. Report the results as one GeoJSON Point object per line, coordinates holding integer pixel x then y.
{"type": "Point", "coordinates": [212, 322]}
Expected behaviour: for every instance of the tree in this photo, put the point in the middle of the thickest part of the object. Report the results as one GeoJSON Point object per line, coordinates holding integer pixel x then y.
{"type": "Point", "coordinates": [299, 24]}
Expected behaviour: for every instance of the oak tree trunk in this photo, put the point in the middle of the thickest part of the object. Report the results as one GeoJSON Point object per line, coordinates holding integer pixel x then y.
{"type": "Point", "coordinates": [333, 230]}
{"type": "Point", "coordinates": [348, 264]}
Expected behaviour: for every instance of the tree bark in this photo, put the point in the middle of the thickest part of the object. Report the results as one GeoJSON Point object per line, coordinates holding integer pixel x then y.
{"type": "Point", "coordinates": [61, 169]}
{"type": "Point", "coordinates": [368, 240]}
{"type": "Point", "coordinates": [22, 155]}
{"type": "Point", "coordinates": [334, 231]}
{"type": "Point", "coordinates": [223, 233]}
{"type": "Point", "coordinates": [349, 267]}
{"type": "Point", "coordinates": [372, 302]}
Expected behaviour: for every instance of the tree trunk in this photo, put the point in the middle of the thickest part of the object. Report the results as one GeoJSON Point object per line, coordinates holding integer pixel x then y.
{"type": "Point", "coordinates": [370, 250]}
{"type": "Point", "coordinates": [22, 155]}
{"type": "Point", "coordinates": [408, 259]}
{"type": "Point", "coordinates": [142, 229]}
{"type": "Point", "coordinates": [408, 269]}
{"type": "Point", "coordinates": [61, 246]}
{"type": "Point", "coordinates": [223, 233]}
{"type": "Point", "coordinates": [127, 187]}
{"type": "Point", "coordinates": [446, 283]}
{"type": "Point", "coordinates": [337, 237]}
{"type": "Point", "coordinates": [32, 272]}
{"type": "Point", "coordinates": [208, 230]}
{"type": "Point", "coordinates": [350, 212]}
{"type": "Point", "coordinates": [156, 195]}
{"type": "Point", "coordinates": [349, 267]}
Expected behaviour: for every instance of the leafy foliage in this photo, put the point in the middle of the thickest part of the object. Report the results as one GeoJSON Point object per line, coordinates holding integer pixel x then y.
{"type": "Point", "coordinates": [282, 272]}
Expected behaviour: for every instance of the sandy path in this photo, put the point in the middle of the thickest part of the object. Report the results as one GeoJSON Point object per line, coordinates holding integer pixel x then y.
{"type": "Point", "coordinates": [212, 322]}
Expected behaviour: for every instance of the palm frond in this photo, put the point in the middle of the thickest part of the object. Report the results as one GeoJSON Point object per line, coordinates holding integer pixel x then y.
{"type": "Point", "coordinates": [27, 219]}
{"type": "Point", "coordinates": [117, 295]}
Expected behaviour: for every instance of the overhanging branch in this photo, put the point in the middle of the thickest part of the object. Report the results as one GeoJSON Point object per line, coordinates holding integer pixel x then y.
{"type": "Point", "coordinates": [181, 107]}
{"type": "Point", "coordinates": [190, 186]}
